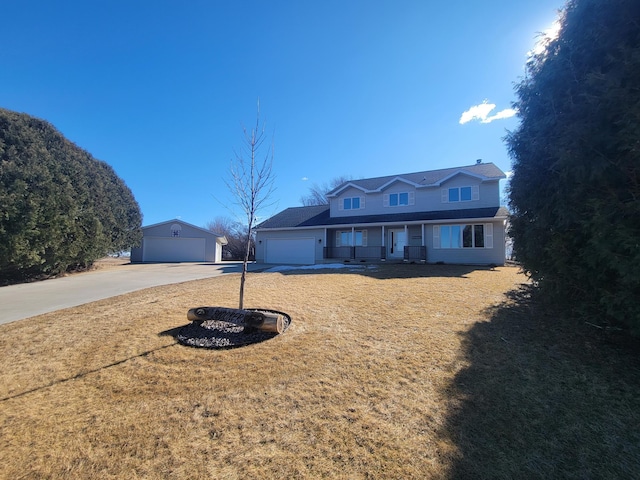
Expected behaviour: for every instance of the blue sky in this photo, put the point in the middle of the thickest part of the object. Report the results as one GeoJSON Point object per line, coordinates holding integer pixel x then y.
{"type": "Point", "coordinates": [160, 89]}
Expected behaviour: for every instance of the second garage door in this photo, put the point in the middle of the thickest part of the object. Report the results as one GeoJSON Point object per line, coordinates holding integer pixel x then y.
{"type": "Point", "coordinates": [299, 251]}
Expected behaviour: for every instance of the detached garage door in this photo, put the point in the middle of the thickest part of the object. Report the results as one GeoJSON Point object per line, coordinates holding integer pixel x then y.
{"type": "Point", "coordinates": [173, 249]}
{"type": "Point", "coordinates": [300, 251]}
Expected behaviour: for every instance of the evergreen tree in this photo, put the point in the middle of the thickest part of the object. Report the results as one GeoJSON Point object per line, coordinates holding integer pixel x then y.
{"type": "Point", "coordinates": [60, 208]}
{"type": "Point", "coordinates": [575, 190]}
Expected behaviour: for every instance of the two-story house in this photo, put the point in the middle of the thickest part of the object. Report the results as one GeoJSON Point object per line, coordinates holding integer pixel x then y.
{"type": "Point", "coordinates": [451, 215]}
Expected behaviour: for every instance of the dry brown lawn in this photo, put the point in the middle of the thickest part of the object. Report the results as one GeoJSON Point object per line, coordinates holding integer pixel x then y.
{"type": "Point", "coordinates": [406, 371]}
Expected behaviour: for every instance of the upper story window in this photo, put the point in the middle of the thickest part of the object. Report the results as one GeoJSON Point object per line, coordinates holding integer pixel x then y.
{"type": "Point", "coordinates": [460, 194]}
{"type": "Point", "coordinates": [398, 199]}
{"type": "Point", "coordinates": [352, 203]}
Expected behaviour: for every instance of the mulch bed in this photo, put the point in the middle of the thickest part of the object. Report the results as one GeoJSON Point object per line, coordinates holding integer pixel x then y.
{"type": "Point", "coordinates": [219, 334]}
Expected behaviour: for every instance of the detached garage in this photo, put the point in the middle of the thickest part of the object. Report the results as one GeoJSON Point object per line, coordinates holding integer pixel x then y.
{"type": "Point", "coordinates": [178, 241]}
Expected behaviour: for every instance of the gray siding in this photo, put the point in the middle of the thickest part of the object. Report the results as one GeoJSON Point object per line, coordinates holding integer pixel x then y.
{"type": "Point", "coordinates": [425, 198]}
{"type": "Point", "coordinates": [478, 256]}
{"type": "Point", "coordinates": [213, 250]}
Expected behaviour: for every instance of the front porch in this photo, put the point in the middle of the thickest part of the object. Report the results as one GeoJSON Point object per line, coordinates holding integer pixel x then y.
{"type": "Point", "coordinates": [376, 243]}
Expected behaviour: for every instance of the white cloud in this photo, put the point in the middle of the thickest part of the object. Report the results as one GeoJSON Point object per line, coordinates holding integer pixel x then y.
{"type": "Point", "coordinates": [304, 179]}
{"type": "Point", "coordinates": [482, 113]}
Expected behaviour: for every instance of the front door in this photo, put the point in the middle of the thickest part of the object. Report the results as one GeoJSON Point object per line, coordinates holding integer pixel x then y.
{"type": "Point", "coordinates": [397, 242]}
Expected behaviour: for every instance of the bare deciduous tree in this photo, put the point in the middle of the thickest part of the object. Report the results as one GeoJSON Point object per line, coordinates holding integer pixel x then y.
{"type": "Point", "coordinates": [235, 233]}
{"type": "Point", "coordinates": [318, 192]}
{"type": "Point", "coordinates": [251, 183]}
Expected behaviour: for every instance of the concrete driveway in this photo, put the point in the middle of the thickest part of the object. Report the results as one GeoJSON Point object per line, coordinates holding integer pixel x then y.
{"type": "Point", "coordinates": [30, 299]}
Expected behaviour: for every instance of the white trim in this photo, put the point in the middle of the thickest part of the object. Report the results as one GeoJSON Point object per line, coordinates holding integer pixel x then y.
{"type": "Point", "coordinates": [461, 172]}
{"type": "Point", "coordinates": [488, 235]}
{"type": "Point", "coordinates": [394, 180]}
{"type": "Point", "coordinates": [347, 185]}
{"type": "Point", "coordinates": [445, 221]}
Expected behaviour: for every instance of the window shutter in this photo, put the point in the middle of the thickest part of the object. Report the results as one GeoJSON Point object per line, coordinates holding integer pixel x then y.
{"type": "Point", "coordinates": [488, 235]}
{"type": "Point", "coordinates": [362, 202]}
{"type": "Point", "coordinates": [412, 198]}
{"type": "Point", "coordinates": [364, 238]}
{"type": "Point", "coordinates": [385, 200]}
{"type": "Point", "coordinates": [341, 204]}
{"type": "Point", "coordinates": [436, 236]}
{"type": "Point", "coordinates": [475, 192]}
{"type": "Point", "coordinates": [445, 195]}
{"type": "Point", "coordinates": [338, 244]}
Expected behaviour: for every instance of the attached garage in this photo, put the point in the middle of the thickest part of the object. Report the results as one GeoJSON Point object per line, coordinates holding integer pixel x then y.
{"type": "Point", "coordinates": [178, 241]}
{"type": "Point", "coordinates": [299, 251]}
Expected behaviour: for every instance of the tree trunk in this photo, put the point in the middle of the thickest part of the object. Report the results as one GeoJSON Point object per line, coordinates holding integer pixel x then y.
{"type": "Point", "coordinates": [249, 319]}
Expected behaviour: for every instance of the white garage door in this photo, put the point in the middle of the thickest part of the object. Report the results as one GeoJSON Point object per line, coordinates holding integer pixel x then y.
{"type": "Point", "coordinates": [299, 251]}
{"type": "Point", "coordinates": [173, 249]}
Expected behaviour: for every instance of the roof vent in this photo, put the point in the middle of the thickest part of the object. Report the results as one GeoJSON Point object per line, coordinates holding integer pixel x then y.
{"type": "Point", "coordinates": [478, 161]}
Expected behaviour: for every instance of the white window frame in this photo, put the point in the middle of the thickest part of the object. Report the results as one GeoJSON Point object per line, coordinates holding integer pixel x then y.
{"type": "Point", "coordinates": [176, 230]}
{"type": "Point", "coordinates": [411, 199]}
{"type": "Point", "coordinates": [353, 235]}
{"type": "Point", "coordinates": [475, 194]}
{"type": "Point", "coordinates": [459, 244]}
{"type": "Point", "coordinates": [342, 200]}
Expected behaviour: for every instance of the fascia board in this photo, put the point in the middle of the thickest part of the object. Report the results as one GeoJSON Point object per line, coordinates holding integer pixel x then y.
{"type": "Point", "coordinates": [182, 222]}
{"type": "Point", "coordinates": [397, 179]}
{"type": "Point", "coordinates": [345, 186]}
{"type": "Point", "coordinates": [482, 178]}
{"type": "Point", "coordinates": [385, 224]}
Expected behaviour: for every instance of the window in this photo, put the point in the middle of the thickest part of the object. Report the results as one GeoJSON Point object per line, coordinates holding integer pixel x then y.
{"type": "Point", "coordinates": [175, 230]}
{"type": "Point", "coordinates": [461, 194]}
{"type": "Point", "coordinates": [463, 236]}
{"type": "Point", "coordinates": [352, 203]}
{"type": "Point", "coordinates": [343, 238]}
{"type": "Point", "coordinates": [399, 199]}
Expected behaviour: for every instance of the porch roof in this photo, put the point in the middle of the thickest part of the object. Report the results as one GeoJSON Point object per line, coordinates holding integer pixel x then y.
{"type": "Point", "coordinates": [318, 216]}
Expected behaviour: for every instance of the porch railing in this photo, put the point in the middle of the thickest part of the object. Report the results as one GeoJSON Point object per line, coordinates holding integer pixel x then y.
{"type": "Point", "coordinates": [352, 253]}
{"type": "Point", "coordinates": [338, 252]}
{"type": "Point", "coordinates": [412, 253]}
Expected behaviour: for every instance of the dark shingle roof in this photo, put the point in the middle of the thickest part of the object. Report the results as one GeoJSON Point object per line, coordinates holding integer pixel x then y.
{"type": "Point", "coordinates": [318, 216]}
{"type": "Point", "coordinates": [429, 177]}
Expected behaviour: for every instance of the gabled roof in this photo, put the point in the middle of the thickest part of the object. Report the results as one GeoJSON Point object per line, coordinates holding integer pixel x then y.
{"type": "Point", "coordinates": [429, 178]}
{"type": "Point", "coordinates": [319, 216]}
{"type": "Point", "coordinates": [222, 238]}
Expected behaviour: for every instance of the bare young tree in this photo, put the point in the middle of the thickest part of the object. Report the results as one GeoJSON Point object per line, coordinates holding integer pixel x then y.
{"type": "Point", "coordinates": [251, 182]}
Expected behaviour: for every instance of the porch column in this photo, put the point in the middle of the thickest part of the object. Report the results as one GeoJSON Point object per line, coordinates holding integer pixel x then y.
{"type": "Point", "coordinates": [383, 235]}
{"type": "Point", "coordinates": [353, 242]}
{"type": "Point", "coordinates": [423, 243]}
